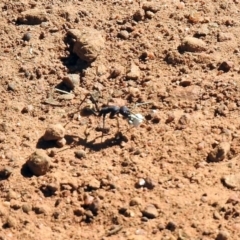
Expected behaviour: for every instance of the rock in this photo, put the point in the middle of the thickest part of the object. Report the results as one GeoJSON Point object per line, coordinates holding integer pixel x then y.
{"type": "Point", "coordinates": [141, 182]}
{"type": "Point", "coordinates": [219, 152]}
{"type": "Point", "coordinates": [101, 70]}
{"type": "Point", "coordinates": [174, 58]}
{"type": "Point", "coordinates": [183, 122]}
{"type": "Point", "coordinates": [12, 195]}
{"type": "Point", "coordinates": [171, 226]}
{"type": "Point", "coordinates": [149, 14]}
{"type": "Point", "coordinates": [26, 208]}
{"type": "Point", "coordinates": [135, 201]}
{"type": "Point", "coordinates": [216, 215]}
{"type": "Point", "coordinates": [94, 183]}
{"type": "Point", "coordinates": [28, 109]}
{"type": "Point", "coordinates": [11, 222]}
{"type": "Point", "coordinates": [4, 211]}
{"type": "Point", "coordinates": [161, 226]}
{"type": "Point", "coordinates": [170, 117]}
{"type": "Point", "coordinates": [32, 17]}
{"type": "Point", "coordinates": [80, 154]}
{"type": "Point", "coordinates": [232, 181]}
{"type": "Point", "coordinates": [54, 132]}
{"type": "Point", "coordinates": [139, 15]}
{"type": "Point", "coordinates": [226, 66]}
{"type": "Point", "coordinates": [133, 72]}
{"type": "Point", "coordinates": [68, 96]}
{"type": "Point", "coordinates": [203, 31]}
{"type": "Point", "coordinates": [26, 37]}
{"type": "Point", "coordinates": [222, 37]}
{"type": "Point", "coordinates": [151, 6]}
{"type": "Point", "coordinates": [150, 184]}
{"type": "Point", "coordinates": [221, 110]}
{"type": "Point", "coordinates": [5, 172]}
{"type": "Point", "coordinates": [41, 209]}
{"type": "Point", "coordinates": [71, 81]}
{"type": "Point", "coordinates": [79, 211]}
{"type": "Point", "coordinates": [2, 137]}
{"type": "Point", "coordinates": [150, 211]}
{"type": "Point", "coordinates": [194, 17]}
{"type": "Point", "coordinates": [12, 86]}
{"type": "Point", "coordinates": [38, 163]}
{"type": "Point", "coordinates": [116, 71]}
{"type": "Point", "coordinates": [91, 203]}
{"type": "Point", "coordinates": [134, 92]}
{"type": "Point", "coordinates": [88, 199]}
{"type": "Point", "coordinates": [89, 43]}
{"type": "Point", "coordinates": [183, 235]}
{"type": "Point", "coordinates": [154, 116]}
{"type": "Point", "coordinates": [61, 142]}
{"type": "Point", "coordinates": [123, 34]}
{"type": "Point", "coordinates": [191, 44]}
{"type": "Point", "coordinates": [223, 235]}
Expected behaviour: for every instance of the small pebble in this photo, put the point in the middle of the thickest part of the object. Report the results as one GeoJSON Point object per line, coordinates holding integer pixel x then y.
{"type": "Point", "coordinates": [141, 182]}
{"type": "Point", "coordinates": [12, 195]}
{"type": "Point", "coordinates": [232, 181]}
{"type": "Point", "coordinates": [26, 37]}
{"type": "Point", "coordinates": [216, 215]}
{"type": "Point", "coordinates": [12, 86]}
{"type": "Point", "coordinates": [80, 154]}
{"type": "Point", "coordinates": [170, 118]}
{"type": "Point", "coordinates": [26, 208]}
{"type": "Point", "coordinates": [54, 132]}
{"type": "Point", "coordinates": [123, 34]}
{"type": "Point", "coordinates": [191, 44]}
{"type": "Point", "coordinates": [161, 226]}
{"type": "Point", "coordinates": [149, 14]}
{"type": "Point", "coordinates": [71, 80]}
{"type": "Point", "coordinates": [27, 109]}
{"type": "Point", "coordinates": [149, 183]}
{"type": "Point", "coordinates": [219, 152]}
{"type": "Point", "coordinates": [5, 172]}
{"type": "Point", "coordinates": [223, 235]}
{"type": "Point", "coordinates": [11, 222]}
{"type": "Point", "coordinates": [139, 15]}
{"type": "Point", "coordinates": [226, 66]}
{"type": "Point", "coordinates": [94, 184]}
{"type": "Point", "coordinates": [133, 72]}
{"type": "Point", "coordinates": [40, 209]}
{"type": "Point", "coordinates": [171, 226]}
{"type": "Point", "coordinates": [38, 163]}
{"type": "Point", "coordinates": [135, 202]}
{"type": "Point", "coordinates": [61, 142]}
{"type": "Point", "coordinates": [150, 211]}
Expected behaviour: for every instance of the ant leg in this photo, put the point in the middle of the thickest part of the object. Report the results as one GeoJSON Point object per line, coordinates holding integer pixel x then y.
{"type": "Point", "coordinates": [103, 129]}
{"type": "Point", "coordinates": [78, 109]}
{"type": "Point", "coordinates": [118, 125]}
{"type": "Point", "coordinates": [94, 102]}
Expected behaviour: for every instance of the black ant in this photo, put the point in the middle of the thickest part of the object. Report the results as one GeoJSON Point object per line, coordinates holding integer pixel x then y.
{"type": "Point", "coordinates": [113, 111]}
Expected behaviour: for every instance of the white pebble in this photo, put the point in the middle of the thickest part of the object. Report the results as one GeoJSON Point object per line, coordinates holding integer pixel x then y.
{"type": "Point", "coordinates": [141, 182]}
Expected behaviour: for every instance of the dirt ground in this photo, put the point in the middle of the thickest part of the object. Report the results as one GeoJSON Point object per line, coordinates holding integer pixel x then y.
{"type": "Point", "coordinates": [176, 176]}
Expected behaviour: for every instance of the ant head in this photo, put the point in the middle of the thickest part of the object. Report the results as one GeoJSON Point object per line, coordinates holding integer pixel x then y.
{"type": "Point", "coordinates": [125, 111]}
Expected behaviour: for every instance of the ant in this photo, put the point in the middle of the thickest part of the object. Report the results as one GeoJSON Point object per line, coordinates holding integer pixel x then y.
{"type": "Point", "coordinates": [111, 110]}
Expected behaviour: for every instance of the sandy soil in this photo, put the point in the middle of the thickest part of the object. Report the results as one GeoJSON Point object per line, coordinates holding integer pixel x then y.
{"type": "Point", "coordinates": [174, 177]}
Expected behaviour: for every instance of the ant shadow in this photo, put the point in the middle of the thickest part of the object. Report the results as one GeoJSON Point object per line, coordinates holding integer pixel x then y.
{"type": "Point", "coordinates": [74, 140]}
{"type": "Point", "coordinates": [98, 146]}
